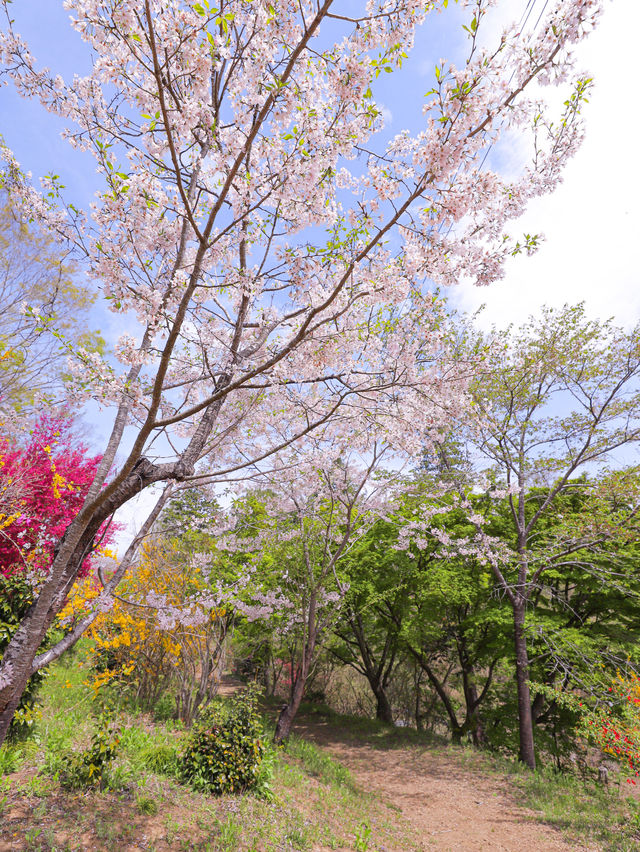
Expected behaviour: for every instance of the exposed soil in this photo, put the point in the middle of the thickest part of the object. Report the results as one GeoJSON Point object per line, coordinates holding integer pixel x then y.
{"type": "Point", "coordinates": [446, 804]}
{"type": "Point", "coordinates": [449, 807]}
{"type": "Point", "coordinates": [84, 821]}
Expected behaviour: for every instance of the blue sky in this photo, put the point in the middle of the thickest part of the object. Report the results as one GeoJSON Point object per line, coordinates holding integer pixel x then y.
{"type": "Point", "coordinates": [590, 223]}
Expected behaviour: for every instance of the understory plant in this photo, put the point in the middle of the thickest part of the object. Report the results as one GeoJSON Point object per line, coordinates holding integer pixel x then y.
{"type": "Point", "coordinates": [90, 767]}
{"type": "Point", "coordinates": [226, 748]}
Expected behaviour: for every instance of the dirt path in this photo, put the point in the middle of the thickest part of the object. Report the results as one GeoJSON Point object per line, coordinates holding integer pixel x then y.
{"type": "Point", "coordinates": [449, 807]}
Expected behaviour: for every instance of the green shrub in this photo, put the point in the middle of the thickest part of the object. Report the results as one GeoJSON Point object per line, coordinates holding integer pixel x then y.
{"type": "Point", "coordinates": [225, 750]}
{"type": "Point", "coordinates": [90, 768]}
{"type": "Point", "coordinates": [10, 758]}
{"type": "Point", "coordinates": [146, 805]}
{"type": "Point", "coordinates": [150, 750]}
{"type": "Point", "coordinates": [165, 708]}
{"type": "Point", "coordinates": [162, 758]}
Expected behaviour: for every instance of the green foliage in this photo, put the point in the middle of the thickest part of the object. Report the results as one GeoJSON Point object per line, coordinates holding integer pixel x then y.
{"type": "Point", "coordinates": [412, 608]}
{"type": "Point", "coordinates": [226, 749]}
{"type": "Point", "coordinates": [318, 763]}
{"type": "Point", "coordinates": [146, 805]}
{"type": "Point", "coordinates": [589, 813]}
{"type": "Point", "coordinates": [162, 758]}
{"type": "Point", "coordinates": [363, 837]}
{"type": "Point", "coordinates": [11, 756]}
{"type": "Point", "coordinates": [90, 768]}
{"type": "Point", "coordinates": [156, 750]}
{"type": "Point", "coordinates": [582, 626]}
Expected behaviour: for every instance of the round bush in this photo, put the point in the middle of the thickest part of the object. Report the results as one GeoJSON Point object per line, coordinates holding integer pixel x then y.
{"type": "Point", "coordinates": [225, 750]}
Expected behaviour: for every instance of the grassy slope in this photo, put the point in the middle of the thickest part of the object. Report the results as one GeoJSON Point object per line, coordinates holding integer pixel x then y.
{"type": "Point", "coordinates": [584, 810]}
{"type": "Point", "coordinates": [315, 804]}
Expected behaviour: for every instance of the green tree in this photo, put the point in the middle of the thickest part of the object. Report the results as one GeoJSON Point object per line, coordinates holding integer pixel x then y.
{"type": "Point", "coordinates": [411, 604]}
{"type": "Point", "coordinates": [583, 621]}
{"type": "Point", "coordinates": [367, 635]}
{"type": "Point", "coordinates": [552, 400]}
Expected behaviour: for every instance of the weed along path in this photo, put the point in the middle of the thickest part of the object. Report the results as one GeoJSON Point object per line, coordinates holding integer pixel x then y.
{"type": "Point", "coordinates": [448, 805]}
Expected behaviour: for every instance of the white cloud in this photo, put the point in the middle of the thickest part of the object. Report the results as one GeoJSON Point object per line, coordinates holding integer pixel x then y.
{"type": "Point", "coordinates": [387, 115]}
{"type": "Point", "coordinates": [591, 222]}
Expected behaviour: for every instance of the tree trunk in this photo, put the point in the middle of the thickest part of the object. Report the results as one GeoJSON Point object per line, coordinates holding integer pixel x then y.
{"type": "Point", "coordinates": [377, 672]}
{"type": "Point", "coordinates": [288, 712]}
{"type": "Point", "coordinates": [383, 707]}
{"type": "Point", "coordinates": [418, 697]}
{"type": "Point", "coordinates": [478, 735]}
{"type": "Point", "coordinates": [473, 721]}
{"type": "Point", "coordinates": [525, 717]}
{"type": "Point", "coordinates": [457, 730]}
{"type": "Point", "coordinates": [16, 666]}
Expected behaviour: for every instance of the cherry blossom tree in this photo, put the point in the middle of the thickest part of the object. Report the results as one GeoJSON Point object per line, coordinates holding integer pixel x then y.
{"type": "Point", "coordinates": [266, 253]}
{"type": "Point", "coordinates": [313, 510]}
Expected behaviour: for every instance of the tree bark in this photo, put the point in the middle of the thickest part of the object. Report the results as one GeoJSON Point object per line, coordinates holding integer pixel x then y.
{"type": "Point", "coordinates": [383, 707]}
{"type": "Point", "coordinates": [288, 712]}
{"type": "Point", "coordinates": [21, 651]}
{"type": "Point", "coordinates": [473, 720]}
{"type": "Point", "coordinates": [525, 716]}
{"type": "Point", "coordinates": [77, 542]}
{"type": "Point", "coordinates": [376, 672]}
{"type": "Point", "coordinates": [457, 730]}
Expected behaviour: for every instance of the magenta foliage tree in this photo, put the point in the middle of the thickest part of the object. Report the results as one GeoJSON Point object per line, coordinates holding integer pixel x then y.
{"type": "Point", "coordinates": [44, 483]}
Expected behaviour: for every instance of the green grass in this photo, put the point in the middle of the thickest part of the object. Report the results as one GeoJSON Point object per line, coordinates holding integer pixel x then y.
{"type": "Point", "coordinates": [583, 810]}
{"type": "Point", "coordinates": [318, 764]}
{"type": "Point", "coordinates": [311, 799]}
{"type": "Point", "coordinates": [13, 755]}
{"type": "Point", "coordinates": [376, 733]}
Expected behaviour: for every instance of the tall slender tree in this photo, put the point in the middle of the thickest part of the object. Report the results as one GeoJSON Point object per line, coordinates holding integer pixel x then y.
{"type": "Point", "coordinates": [558, 397]}
{"type": "Point", "coordinates": [45, 313]}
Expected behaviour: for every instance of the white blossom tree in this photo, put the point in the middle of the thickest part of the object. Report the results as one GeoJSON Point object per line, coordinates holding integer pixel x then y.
{"type": "Point", "coordinates": [558, 402]}
{"type": "Point", "coordinates": [265, 252]}
{"type": "Point", "coordinates": [315, 505]}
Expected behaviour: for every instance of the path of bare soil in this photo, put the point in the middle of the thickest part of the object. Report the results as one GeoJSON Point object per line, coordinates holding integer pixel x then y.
{"type": "Point", "coordinates": [449, 806]}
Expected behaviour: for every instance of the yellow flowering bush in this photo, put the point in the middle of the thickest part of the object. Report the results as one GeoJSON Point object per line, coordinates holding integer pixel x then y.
{"type": "Point", "coordinates": [133, 648]}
